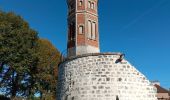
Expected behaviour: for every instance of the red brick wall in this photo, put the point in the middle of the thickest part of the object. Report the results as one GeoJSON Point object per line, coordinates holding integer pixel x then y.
{"type": "Point", "coordinates": [80, 37]}
{"type": "Point", "coordinates": [82, 17]}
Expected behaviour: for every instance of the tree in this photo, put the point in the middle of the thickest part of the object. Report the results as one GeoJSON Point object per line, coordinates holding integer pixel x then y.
{"type": "Point", "coordinates": [18, 56]}
{"type": "Point", "coordinates": [49, 58]}
{"type": "Point", "coordinates": [3, 98]}
{"type": "Point", "coordinates": [28, 65]}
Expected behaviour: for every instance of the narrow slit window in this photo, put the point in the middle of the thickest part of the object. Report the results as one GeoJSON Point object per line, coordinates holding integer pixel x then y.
{"type": "Point", "coordinates": [89, 4]}
{"type": "Point", "coordinates": [92, 5]}
{"type": "Point", "coordinates": [80, 2]}
{"type": "Point", "coordinates": [81, 29]}
{"type": "Point", "coordinates": [89, 29]}
{"type": "Point", "coordinates": [93, 30]}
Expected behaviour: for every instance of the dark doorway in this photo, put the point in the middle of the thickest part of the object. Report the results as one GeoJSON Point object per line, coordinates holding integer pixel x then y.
{"type": "Point", "coordinates": [117, 98]}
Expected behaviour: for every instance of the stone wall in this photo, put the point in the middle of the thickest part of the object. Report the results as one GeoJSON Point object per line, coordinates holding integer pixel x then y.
{"type": "Point", "coordinates": [101, 77]}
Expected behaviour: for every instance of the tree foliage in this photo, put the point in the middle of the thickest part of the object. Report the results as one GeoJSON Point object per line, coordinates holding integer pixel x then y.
{"type": "Point", "coordinates": [17, 54]}
{"type": "Point", "coordinates": [3, 98]}
{"type": "Point", "coordinates": [47, 69]}
{"type": "Point", "coordinates": [28, 65]}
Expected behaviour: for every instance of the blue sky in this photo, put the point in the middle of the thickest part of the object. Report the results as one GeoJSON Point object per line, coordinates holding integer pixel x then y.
{"type": "Point", "coordinates": [138, 28]}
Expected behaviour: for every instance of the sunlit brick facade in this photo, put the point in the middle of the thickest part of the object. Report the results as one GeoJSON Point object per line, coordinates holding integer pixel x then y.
{"type": "Point", "coordinates": [83, 26]}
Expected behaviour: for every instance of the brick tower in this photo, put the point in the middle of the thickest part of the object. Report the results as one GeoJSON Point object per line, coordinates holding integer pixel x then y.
{"type": "Point", "coordinates": [83, 35]}
{"type": "Point", "coordinates": [93, 75]}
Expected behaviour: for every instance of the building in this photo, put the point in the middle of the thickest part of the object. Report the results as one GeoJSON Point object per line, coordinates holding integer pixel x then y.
{"type": "Point", "coordinates": [87, 74]}
{"type": "Point", "coordinates": [162, 93]}
{"type": "Point", "coordinates": [83, 31]}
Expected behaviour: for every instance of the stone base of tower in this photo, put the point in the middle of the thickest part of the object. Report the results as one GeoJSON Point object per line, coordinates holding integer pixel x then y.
{"type": "Point", "coordinates": [102, 76]}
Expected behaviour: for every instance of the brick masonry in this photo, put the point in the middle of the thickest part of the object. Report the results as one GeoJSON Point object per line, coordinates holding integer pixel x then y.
{"type": "Point", "coordinates": [80, 15]}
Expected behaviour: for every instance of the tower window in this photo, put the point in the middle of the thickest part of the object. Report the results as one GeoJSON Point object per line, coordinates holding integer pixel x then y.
{"type": "Point", "coordinates": [89, 4]}
{"type": "Point", "coordinates": [80, 2]}
{"type": "Point", "coordinates": [72, 32]}
{"type": "Point", "coordinates": [93, 30]}
{"type": "Point", "coordinates": [92, 5]}
{"type": "Point", "coordinates": [81, 29]}
{"type": "Point", "coordinates": [89, 29]}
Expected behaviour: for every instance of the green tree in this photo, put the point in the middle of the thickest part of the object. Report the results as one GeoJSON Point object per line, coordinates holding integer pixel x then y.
{"type": "Point", "coordinates": [18, 57]}
{"type": "Point", "coordinates": [49, 58]}
{"type": "Point", "coordinates": [28, 65]}
{"type": "Point", "coordinates": [3, 98]}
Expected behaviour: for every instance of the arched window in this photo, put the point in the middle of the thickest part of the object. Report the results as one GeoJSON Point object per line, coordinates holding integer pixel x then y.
{"type": "Point", "coordinates": [81, 29]}
{"type": "Point", "coordinates": [80, 2]}
{"type": "Point", "coordinates": [89, 4]}
{"type": "Point", "coordinates": [89, 29]}
{"type": "Point", "coordinates": [93, 30]}
{"type": "Point", "coordinates": [92, 5]}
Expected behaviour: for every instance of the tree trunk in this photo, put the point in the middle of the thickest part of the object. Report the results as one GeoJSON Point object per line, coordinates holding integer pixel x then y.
{"type": "Point", "coordinates": [14, 84]}
{"type": "Point", "coordinates": [1, 66]}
